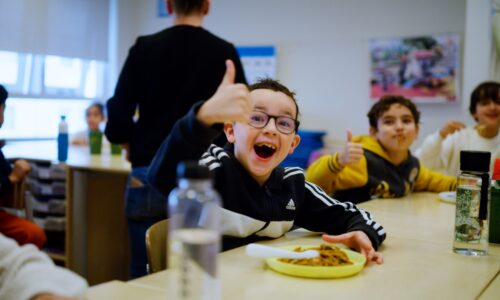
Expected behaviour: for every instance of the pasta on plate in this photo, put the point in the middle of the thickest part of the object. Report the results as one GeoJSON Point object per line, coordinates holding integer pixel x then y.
{"type": "Point", "coordinates": [329, 255]}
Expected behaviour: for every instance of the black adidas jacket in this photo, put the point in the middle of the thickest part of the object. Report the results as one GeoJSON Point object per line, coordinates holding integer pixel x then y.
{"type": "Point", "coordinates": [252, 212]}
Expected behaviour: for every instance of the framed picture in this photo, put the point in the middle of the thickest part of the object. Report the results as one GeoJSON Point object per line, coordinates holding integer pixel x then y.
{"type": "Point", "coordinates": [424, 69]}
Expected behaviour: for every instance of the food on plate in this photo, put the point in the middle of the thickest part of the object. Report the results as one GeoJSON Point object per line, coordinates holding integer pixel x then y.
{"type": "Point", "coordinates": [329, 255]}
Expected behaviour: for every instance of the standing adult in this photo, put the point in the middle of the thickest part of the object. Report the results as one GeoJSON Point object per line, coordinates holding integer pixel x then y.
{"type": "Point", "coordinates": [163, 76]}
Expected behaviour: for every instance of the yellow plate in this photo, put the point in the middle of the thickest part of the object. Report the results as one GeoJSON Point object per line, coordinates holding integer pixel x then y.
{"type": "Point", "coordinates": [356, 258]}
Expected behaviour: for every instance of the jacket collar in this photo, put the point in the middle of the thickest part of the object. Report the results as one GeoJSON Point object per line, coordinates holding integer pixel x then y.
{"type": "Point", "coordinates": [373, 145]}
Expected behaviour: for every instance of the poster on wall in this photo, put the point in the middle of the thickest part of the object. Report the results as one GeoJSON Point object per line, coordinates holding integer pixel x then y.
{"type": "Point", "coordinates": [424, 69]}
{"type": "Point", "coordinates": [258, 62]}
{"type": "Point", "coordinates": [162, 9]}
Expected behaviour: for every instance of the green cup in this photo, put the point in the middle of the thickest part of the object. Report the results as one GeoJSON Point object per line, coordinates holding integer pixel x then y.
{"type": "Point", "coordinates": [116, 149]}
{"type": "Point", "coordinates": [95, 142]}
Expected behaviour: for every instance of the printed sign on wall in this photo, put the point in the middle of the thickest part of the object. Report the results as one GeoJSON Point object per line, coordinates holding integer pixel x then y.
{"type": "Point", "coordinates": [258, 62]}
{"type": "Point", "coordinates": [162, 9]}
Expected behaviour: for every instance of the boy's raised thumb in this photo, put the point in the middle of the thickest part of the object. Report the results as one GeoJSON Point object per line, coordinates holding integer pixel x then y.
{"type": "Point", "coordinates": [349, 135]}
{"type": "Point", "coordinates": [230, 73]}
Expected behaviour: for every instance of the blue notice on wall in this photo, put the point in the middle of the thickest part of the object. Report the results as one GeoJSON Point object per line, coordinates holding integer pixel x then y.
{"type": "Point", "coordinates": [162, 9]}
{"type": "Point", "coordinates": [258, 62]}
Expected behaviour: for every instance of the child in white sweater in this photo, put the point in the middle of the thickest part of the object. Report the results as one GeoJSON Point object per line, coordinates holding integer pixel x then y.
{"type": "Point", "coordinates": [27, 273]}
{"type": "Point", "coordinates": [441, 150]}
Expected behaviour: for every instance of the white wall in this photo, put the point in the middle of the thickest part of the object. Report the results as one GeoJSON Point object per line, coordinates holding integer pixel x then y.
{"type": "Point", "coordinates": [322, 47]}
{"type": "Point", "coordinates": [478, 45]}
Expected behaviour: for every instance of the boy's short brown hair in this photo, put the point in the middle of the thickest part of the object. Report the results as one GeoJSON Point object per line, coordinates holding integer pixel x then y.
{"type": "Point", "coordinates": [186, 7]}
{"type": "Point", "coordinates": [384, 104]}
{"type": "Point", "coordinates": [275, 85]}
{"type": "Point", "coordinates": [486, 90]}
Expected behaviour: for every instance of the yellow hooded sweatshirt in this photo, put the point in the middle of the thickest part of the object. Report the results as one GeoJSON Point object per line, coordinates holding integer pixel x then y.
{"type": "Point", "coordinates": [375, 176]}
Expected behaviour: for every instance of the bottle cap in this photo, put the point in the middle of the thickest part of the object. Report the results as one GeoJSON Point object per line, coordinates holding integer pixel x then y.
{"type": "Point", "coordinates": [496, 170]}
{"type": "Point", "coordinates": [192, 170]}
{"type": "Point", "coordinates": [476, 161]}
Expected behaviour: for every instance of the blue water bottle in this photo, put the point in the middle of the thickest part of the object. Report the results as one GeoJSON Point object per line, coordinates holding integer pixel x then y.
{"type": "Point", "coordinates": [62, 140]}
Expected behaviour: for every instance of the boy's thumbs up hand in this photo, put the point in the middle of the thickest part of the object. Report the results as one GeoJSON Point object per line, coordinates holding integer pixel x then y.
{"type": "Point", "coordinates": [230, 74]}
{"type": "Point", "coordinates": [351, 153]}
{"type": "Point", "coordinates": [230, 103]}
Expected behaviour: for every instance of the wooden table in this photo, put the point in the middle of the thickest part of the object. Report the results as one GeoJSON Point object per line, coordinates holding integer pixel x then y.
{"type": "Point", "coordinates": [96, 229]}
{"type": "Point", "coordinates": [419, 262]}
{"type": "Point", "coordinates": [492, 292]}
{"type": "Point", "coordinates": [120, 290]}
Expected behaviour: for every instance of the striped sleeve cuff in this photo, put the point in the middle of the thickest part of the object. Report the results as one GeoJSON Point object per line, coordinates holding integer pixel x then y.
{"type": "Point", "coordinates": [333, 164]}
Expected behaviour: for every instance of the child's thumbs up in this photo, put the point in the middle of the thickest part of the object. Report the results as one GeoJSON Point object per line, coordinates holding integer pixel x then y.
{"type": "Point", "coordinates": [349, 135]}
{"type": "Point", "coordinates": [352, 152]}
{"type": "Point", "coordinates": [230, 73]}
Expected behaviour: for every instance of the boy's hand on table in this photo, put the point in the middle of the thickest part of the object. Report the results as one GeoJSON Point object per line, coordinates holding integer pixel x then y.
{"type": "Point", "coordinates": [352, 152]}
{"type": "Point", "coordinates": [359, 241]}
{"type": "Point", "coordinates": [450, 127]}
{"type": "Point", "coordinates": [51, 297]}
{"type": "Point", "coordinates": [19, 171]}
{"type": "Point", "coordinates": [230, 103]}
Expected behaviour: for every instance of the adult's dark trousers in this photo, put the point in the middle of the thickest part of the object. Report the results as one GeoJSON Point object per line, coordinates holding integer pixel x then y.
{"type": "Point", "coordinates": [144, 206]}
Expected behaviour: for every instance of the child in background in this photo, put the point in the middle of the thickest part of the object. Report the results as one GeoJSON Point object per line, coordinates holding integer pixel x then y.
{"type": "Point", "coordinates": [260, 199]}
{"type": "Point", "coordinates": [20, 229]}
{"type": "Point", "coordinates": [379, 165]}
{"type": "Point", "coordinates": [27, 273]}
{"type": "Point", "coordinates": [94, 116]}
{"type": "Point", "coordinates": [441, 150]}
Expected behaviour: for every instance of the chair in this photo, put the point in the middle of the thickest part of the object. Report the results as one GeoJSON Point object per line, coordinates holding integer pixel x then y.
{"type": "Point", "coordinates": [14, 202]}
{"type": "Point", "coordinates": [19, 191]}
{"type": "Point", "coordinates": [156, 246]}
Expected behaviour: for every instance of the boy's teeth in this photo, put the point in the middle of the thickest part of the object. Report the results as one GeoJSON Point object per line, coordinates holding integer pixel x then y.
{"type": "Point", "coordinates": [267, 145]}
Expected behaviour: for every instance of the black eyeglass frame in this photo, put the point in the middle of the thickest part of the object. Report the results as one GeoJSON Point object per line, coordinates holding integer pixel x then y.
{"type": "Point", "coordinates": [269, 117]}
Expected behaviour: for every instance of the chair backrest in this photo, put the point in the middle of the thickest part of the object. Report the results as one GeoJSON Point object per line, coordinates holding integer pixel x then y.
{"type": "Point", "coordinates": [156, 246]}
{"type": "Point", "coordinates": [14, 202]}
{"type": "Point", "coordinates": [19, 190]}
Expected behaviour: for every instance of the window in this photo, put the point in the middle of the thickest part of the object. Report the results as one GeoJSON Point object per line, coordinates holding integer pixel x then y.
{"type": "Point", "coordinates": [41, 88]}
{"type": "Point", "coordinates": [31, 118]}
{"type": "Point", "coordinates": [31, 75]}
{"type": "Point", "coordinates": [9, 69]}
{"type": "Point", "coordinates": [62, 74]}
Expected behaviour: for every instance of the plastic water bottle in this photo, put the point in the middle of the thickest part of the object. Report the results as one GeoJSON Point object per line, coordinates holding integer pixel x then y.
{"type": "Point", "coordinates": [62, 140]}
{"type": "Point", "coordinates": [471, 215]}
{"type": "Point", "coordinates": [194, 234]}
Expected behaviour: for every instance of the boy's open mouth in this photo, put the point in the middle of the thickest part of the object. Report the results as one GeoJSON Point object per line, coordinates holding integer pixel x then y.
{"type": "Point", "coordinates": [264, 150]}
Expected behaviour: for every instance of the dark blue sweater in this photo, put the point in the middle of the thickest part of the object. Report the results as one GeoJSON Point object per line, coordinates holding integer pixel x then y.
{"type": "Point", "coordinates": [251, 211]}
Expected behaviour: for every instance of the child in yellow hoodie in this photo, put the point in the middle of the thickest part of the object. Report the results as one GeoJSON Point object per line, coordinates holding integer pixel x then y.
{"type": "Point", "coordinates": [379, 165]}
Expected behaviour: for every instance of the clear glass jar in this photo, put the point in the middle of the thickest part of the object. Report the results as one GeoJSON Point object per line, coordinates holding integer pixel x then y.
{"type": "Point", "coordinates": [471, 215]}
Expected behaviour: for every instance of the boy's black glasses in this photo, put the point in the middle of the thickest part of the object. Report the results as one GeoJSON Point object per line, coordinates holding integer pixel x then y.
{"type": "Point", "coordinates": [284, 124]}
